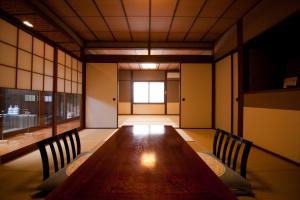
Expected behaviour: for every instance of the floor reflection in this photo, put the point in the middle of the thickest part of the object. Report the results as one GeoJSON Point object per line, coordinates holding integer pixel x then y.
{"type": "Point", "coordinates": [148, 160]}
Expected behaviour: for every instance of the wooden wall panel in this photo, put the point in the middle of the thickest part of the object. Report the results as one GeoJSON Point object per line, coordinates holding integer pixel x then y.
{"type": "Point", "coordinates": [8, 55]}
{"type": "Point", "coordinates": [10, 33]}
{"type": "Point", "coordinates": [7, 77]}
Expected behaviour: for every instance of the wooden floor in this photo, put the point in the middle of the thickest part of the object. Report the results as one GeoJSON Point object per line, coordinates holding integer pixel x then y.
{"type": "Point", "coordinates": [144, 163]}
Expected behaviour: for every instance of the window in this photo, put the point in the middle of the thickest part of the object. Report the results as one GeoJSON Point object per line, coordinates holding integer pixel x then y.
{"type": "Point", "coordinates": [148, 92]}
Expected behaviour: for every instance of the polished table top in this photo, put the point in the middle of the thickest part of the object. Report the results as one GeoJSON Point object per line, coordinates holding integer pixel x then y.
{"type": "Point", "coordinates": [143, 162]}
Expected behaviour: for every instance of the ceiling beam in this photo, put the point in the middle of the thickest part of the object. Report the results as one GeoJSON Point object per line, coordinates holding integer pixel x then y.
{"type": "Point", "coordinates": [144, 45]}
{"type": "Point", "coordinates": [52, 16]}
{"type": "Point", "coordinates": [149, 58]}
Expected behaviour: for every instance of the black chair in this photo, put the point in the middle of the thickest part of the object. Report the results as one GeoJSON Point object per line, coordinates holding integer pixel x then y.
{"type": "Point", "coordinates": [227, 146]}
{"type": "Point", "coordinates": [63, 147]}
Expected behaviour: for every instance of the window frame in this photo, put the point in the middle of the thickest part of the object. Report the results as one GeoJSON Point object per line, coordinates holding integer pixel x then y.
{"type": "Point", "coordinates": [164, 101]}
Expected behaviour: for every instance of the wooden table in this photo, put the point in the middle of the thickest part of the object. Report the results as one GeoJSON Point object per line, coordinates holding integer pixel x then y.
{"type": "Point", "coordinates": [143, 162]}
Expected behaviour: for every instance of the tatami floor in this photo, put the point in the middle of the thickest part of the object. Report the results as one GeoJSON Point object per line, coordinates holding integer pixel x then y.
{"type": "Point", "coordinates": [271, 177]}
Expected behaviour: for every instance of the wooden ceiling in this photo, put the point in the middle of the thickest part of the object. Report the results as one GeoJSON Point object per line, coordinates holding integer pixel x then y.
{"type": "Point", "coordinates": [159, 66]}
{"type": "Point", "coordinates": [148, 21]}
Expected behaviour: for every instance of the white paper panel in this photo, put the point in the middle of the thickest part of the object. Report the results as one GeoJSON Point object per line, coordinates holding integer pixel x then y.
{"type": "Point", "coordinates": [74, 75]}
{"type": "Point", "coordinates": [49, 52]}
{"type": "Point", "coordinates": [48, 68]}
{"type": "Point", "coordinates": [38, 64]}
{"type": "Point", "coordinates": [48, 83]}
{"type": "Point", "coordinates": [24, 60]}
{"type": "Point", "coordinates": [60, 85]}
{"type": "Point", "coordinates": [79, 66]}
{"type": "Point", "coordinates": [60, 71]}
{"type": "Point", "coordinates": [37, 81]}
{"type": "Point", "coordinates": [25, 41]}
{"type": "Point", "coordinates": [79, 88]}
{"type": "Point", "coordinates": [7, 77]}
{"type": "Point", "coordinates": [68, 86]}
{"type": "Point", "coordinates": [74, 87]}
{"type": "Point", "coordinates": [79, 77]}
{"type": "Point", "coordinates": [7, 55]}
{"type": "Point", "coordinates": [68, 60]}
{"type": "Point", "coordinates": [61, 57]}
{"type": "Point", "coordinates": [24, 80]}
{"type": "Point", "coordinates": [8, 32]}
{"type": "Point", "coordinates": [38, 47]}
{"type": "Point", "coordinates": [68, 73]}
{"type": "Point", "coordinates": [74, 63]}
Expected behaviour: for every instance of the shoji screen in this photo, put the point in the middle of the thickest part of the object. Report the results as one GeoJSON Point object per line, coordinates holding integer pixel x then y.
{"type": "Point", "coordinates": [25, 61]}
{"type": "Point", "coordinates": [8, 54]}
{"type": "Point", "coordinates": [69, 74]}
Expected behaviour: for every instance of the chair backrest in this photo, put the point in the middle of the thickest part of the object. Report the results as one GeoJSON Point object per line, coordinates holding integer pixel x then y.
{"type": "Point", "coordinates": [227, 147]}
{"type": "Point", "coordinates": [60, 146]}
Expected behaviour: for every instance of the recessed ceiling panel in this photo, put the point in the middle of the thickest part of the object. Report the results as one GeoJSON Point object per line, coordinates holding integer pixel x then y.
{"type": "Point", "coordinates": [222, 25]}
{"type": "Point", "coordinates": [140, 36]}
{"type": "Point", "coordinates": [161, 8]}
{"type": "Point", "coordinates": [181, 24]}
{"type": "Point", "coordinates": [139, 24]}
{"type": "Point", "coordinates": [16, 7]}
{"type": "Point", "coordinates": [211, 37]}
{"type": "Point", "coordinates": [189, 8]}
{"type": "Point", "coordinates": [214, 8]}
{"type": "Point", "coordinates": [87, 9]}
{"type": "Point", "coordinates": [117, 23]}
{"type": "Point", "coordinates": [87, 35]}
{"type": "Point", "coordinates": [239, 8]}
{"type": "Point", "coordinates": [122, 36]}
{"type": "Point", "coordinates": [203, 24]}
{"type": "Point", "coordinates": [194, 36]}
{"type": "Point", "coordinates": [136, 8]}
{"type": "Point", "coordinates": [60, 7]}
{"type": "Point", "coordinates": [75, 23]}
{"type": "Point", "coordinates": [57, 36]}
{"type": "Point", "coordinates": [158, 36]}
{"type": "Point", "coordinates": [106, 35]}
{"type": "Point", "coordinates": [160, 24]}
{"type": "Point", "coordinates": [176, 36]}
{"type": "Point", "coordinates": [110, 8]}
{"type": "Point", "coordinates": [95, 23]}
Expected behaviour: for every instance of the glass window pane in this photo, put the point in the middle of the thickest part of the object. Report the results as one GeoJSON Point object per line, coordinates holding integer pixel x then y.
{"type": "Point", "coordinates": [140, 92]}
{"type": "Point", "coordinates": [156, 91]}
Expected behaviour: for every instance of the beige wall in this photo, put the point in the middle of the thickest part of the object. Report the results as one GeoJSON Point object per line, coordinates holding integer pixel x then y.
{"type": "Point", "coordinates": [124, 108]}
{"type": "Point", "coordinates": [223, 94]}
{"type": "Point", "coordinates": [274, 129]}
{"type": "Point", "coordinates": [173, 108]}
{"type": "Point", "coordinates": [149, 109]}
{"type": "Point", "coordinates": [235, 94]}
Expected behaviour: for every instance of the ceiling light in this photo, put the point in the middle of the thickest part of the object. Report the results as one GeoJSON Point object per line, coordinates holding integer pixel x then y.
{"type": "Point", "coordinates": [27, 23]}
{"type": "Point", "coordinates": [148, 65]}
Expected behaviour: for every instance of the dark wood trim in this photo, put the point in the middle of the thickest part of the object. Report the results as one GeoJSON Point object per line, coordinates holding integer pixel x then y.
{"type": "Point", "coordinates": [83, 95]}
{"type": "Point", "coordinates": [232, 97]}
{"type": "Point", "coordinates": [218, 19]}
{"type": "Point", "coordinates": [277, 155]}
{"type": "Point", "coordinates": [194, 21]}
{"type": "Point", "coordinates": [166, 92]}
{"type": "Point", "coordinates": [117, 95]}
{"type": "Point", "coordinates": [127, 21]}
{"type": "Point", "coordinates": [31, 71]}
{"type": "Point", "coordinates": [180, 92]}
{"type": "Point", "coordinates": [213, 96]}
{"type": "Point", "coordinates": [131, 100]}
{"type": "Point", "coordinates": [54, 96]}
{"type": "Point", "coordinates": [240, 77]}
{"type": "Point", "coordinates": [149, 58]}
{"type": "Point", "coordinates": [102, 16]}
{"type": "Point", "coordinates": [17, 57]}
{"type": "Point", "coordinates": [80, 18]}
{"type": "Point", "coordinates": [149, 31]}
{"type": "Point", "coordinates": [172, 21]}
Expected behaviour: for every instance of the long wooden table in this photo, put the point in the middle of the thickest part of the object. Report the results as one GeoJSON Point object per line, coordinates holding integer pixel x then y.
{"type": "Point", "coordinates": [143, 162]}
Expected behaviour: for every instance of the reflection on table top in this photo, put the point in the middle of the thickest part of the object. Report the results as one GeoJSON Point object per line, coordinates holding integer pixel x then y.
{"type": "Point", "coordinates": [143, 162]}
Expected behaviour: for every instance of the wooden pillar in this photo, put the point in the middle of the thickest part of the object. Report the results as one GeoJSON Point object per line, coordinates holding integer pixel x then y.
{"type": "Point", "coordinates": [54, 96]}
{"type": "Point", "coordinates": [83, 95]}
{"type": "Point", "coordinates": [240, 77]}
